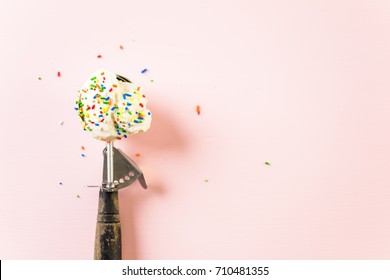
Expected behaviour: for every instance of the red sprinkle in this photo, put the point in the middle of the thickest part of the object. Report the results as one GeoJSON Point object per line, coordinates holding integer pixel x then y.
{"type": "Point", "coordinates": [142, 105]}
{"type": "Point", "coordinates": [99, 56]}
{"type": "Point", "coordinates": [93, 106]}
{"type": "Point", "coordinates": [137, 154]}
{"type": "Point", "coordinates": [58, 74]}
{"type": "Point", "coordinates": [198, 109]}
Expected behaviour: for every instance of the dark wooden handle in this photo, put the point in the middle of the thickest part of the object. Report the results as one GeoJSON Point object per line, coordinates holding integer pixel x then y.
{"type": "Point", "coordinates": [108, 243]}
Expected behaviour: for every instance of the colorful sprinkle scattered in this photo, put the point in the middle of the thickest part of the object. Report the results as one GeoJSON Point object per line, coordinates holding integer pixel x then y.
{"type": "Point", "coordinates": [58, 74]}
{"type": "Point", "coordinates": [121, 47]}
{"type": "Point", "coordinates": [99, 56]}
{"type": "Point", "coordinates": [82, 155]}
{"type": "Point", "coordinates": [198, 109]}
{"type": "Point", "coordinates": [143, 71]}
{"type": "Point", "coordinates": [83, 148]}
{"type": "Point", "coordinates": [267, 163]}
{"type": "Point", "coordinates": [137, 154]}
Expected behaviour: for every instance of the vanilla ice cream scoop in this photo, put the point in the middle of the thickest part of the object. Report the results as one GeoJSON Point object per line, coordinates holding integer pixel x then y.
{"type": "Point", "coordinates": [111, 108]}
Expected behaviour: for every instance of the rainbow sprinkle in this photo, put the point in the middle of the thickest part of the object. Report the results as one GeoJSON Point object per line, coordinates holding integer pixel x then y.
{"type": "Point", "coordinates": [144, 70]}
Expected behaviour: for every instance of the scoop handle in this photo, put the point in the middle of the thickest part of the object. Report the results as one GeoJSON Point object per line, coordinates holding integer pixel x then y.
{"type": "Point", "coordinates": [108, 242]}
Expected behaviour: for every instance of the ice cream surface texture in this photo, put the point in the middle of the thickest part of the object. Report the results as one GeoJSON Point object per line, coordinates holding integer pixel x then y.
{"type": "Point", "coordinates": [112, 109]}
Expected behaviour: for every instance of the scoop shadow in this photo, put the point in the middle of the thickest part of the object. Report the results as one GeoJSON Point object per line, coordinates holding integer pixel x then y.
{"type": "Point", "coordinates": [163, 136]}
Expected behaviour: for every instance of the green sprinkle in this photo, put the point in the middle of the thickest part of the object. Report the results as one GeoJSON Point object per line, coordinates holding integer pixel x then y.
{"type": "Point", "coordinates": [93, 78]}
{"type": "Point", "coordinates": [267, 163]}
{"type": "Point", "coordinates": [118, 113]}
{"type": "Point", "coordinates": [105, 102]}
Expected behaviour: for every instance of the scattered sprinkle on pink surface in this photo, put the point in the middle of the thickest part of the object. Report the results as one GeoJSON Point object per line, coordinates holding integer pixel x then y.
{"type": "Point", "coordinates": [121, 47]}
{"type": "Point", "coordinates": [137, 154]}
{"type": "Point", "coordinates": [99, 56]}
{"type": "Point", "coordinates": [198, 109]}
{"type": "Point", "coordinates": [58, 74]}
{"type": "Point", "coordinates": [82, 147]}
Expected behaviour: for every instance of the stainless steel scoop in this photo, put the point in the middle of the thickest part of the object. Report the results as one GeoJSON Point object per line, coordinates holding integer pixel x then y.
{"type": "Point", "coordinates": [119, 171]}
{"type": "Point", "coordinates": [126, 171]}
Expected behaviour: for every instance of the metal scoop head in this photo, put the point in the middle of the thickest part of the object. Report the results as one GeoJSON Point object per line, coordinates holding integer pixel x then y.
{"type": "Point", "coordinates": [126, 171]}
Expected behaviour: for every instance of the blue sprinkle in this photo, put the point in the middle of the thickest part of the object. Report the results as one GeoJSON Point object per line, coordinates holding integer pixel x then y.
{"type": "Point", "coordinates": [107, 98]}
{"type": "Point", "coordinates": [136, 121]}
{"type": "Point", "coordinates": [76, 108]}
{"type": "Point", "coordinates": [96, 124]}
{"type": "Point", "coordinates": [143, 71]}
{"type": "Point", "coordinates": [126, 108]}
{"type": "Point", "coordinates": [100, 116]}
{"type": "Point", "coordinates": [82, 155]}
{"type": "Point", "coordinates": [128, 104]}
{"type": "Point", "coordinates": [124, 135]}
{"type": "Point", "coordinates": [113, 108]}
{"type": "Point", "coordinates": [148, 113]}
{"type": "Point", "coordinates": [125, 95]}
{"type": "Point", "coordinates": [95, 96]}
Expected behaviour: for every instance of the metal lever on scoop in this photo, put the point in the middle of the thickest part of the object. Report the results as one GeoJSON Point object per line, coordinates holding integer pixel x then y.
{"type": "Point", "coordinates": [119, 171]}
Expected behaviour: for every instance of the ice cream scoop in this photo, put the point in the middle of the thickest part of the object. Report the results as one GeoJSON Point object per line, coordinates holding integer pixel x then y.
{"type": "Point", "coordinates": [111, 107]}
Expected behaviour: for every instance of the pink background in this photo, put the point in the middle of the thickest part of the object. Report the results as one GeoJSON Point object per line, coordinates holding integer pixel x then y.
{"type": "Point", "coordinates": [301, 84]}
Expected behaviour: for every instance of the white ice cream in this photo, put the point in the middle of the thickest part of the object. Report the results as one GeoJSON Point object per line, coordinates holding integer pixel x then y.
{"type": "Point", "coordinates": [112, 109]}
